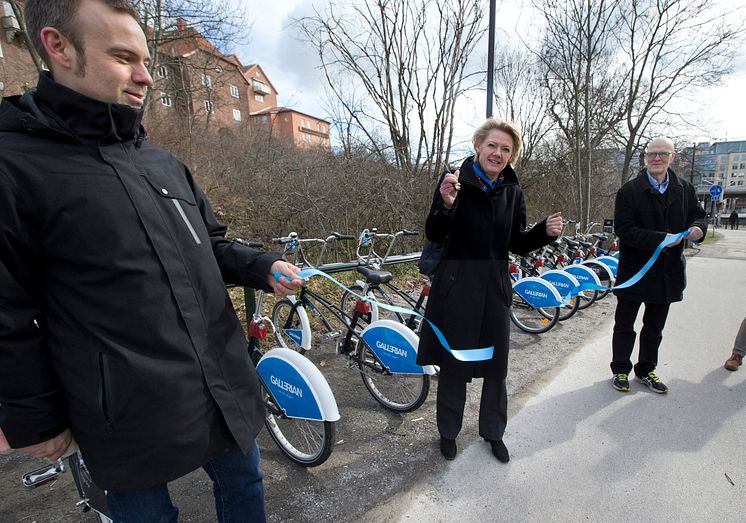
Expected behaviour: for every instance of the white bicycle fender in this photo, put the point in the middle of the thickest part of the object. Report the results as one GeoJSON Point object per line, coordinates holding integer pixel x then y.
{"type": "Point", "coordinates": [303, 336]}
{"type": "Point", "coordinates": [395, 345]}
{"type": "Point", "coordinates": [297, 385]}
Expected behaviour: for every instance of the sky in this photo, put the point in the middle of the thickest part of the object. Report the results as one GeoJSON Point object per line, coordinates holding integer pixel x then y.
{"type": "Point", "coordinates": [292, 68]}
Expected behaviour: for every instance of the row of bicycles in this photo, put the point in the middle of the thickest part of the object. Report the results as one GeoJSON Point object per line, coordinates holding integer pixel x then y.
{"type": "Point", "coordinates": [566, 266]}
{"type": "Point", "coordinates": [374, 327]}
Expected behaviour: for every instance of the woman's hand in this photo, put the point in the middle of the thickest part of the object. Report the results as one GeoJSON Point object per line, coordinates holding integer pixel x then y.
{"type": "Point", "coordinates": [449, 188]}
{"type": "Point", "coordinates": [554, 224]}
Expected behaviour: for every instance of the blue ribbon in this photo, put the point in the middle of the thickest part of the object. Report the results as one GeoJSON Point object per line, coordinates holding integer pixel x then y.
{"type": "Point", "coordinates": [645, 268]}
{"type": "Point", "coordinates": [481, 354]}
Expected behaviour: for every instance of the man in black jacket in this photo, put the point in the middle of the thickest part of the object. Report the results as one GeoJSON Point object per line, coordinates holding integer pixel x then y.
{"type": "Point", "coordinates": [652, 206]}
{"type": "Point", "coordinates": [115, 325]}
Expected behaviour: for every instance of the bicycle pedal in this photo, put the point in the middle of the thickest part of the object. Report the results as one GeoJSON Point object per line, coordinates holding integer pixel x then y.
{"type": "Point", "coordinates": [42, 475]}
{"type": "Point", "coordinates": [333, 335]}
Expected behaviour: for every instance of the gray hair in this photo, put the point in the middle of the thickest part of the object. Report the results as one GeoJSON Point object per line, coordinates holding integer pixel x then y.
{"type": "Point", "coordinates": [480, 135]}
{"type": "Point", "coordinates": [63, 16]}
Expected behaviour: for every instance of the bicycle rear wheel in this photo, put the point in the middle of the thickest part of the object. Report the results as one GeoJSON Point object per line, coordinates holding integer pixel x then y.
{"type": "Point", "coordinates": [565, 312]}
{"type": "Point", "coordinates": [530, 319]}
{"type": "Point", "coordinates": [306, 442]}
{"type": "Point", "coordinates": [347, 305]}
{"type": "Point", "coordinates": [397, 392]}
{"type": "Point", "coordinates": [285, 317]}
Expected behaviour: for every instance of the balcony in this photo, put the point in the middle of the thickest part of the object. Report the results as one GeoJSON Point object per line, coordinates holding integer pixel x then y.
{"type": "Point", "coordinates": [261, 88]}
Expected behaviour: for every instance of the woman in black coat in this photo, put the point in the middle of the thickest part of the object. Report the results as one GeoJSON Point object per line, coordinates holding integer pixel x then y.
{"type": "Point", "coordinates": [480, 211]}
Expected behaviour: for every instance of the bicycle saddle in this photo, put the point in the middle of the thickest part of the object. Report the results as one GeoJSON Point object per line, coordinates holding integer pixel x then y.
{"type": "Point", "coordinates": [375, 277]}
{"type": "Point", "coordinates": [601, 237]}
{"type": "Point", "coordinates": [571, 243]}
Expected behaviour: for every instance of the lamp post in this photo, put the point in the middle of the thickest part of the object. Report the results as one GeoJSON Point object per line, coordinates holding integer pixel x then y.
{"type": "Point", "coordinates": [491, 59]}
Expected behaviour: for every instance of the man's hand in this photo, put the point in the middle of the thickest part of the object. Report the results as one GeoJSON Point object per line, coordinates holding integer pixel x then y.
{"type": "Point", "coordinates": [286, 282]}
{"type": "Point", "coordinates": [449, 188]}
{"type": "Point", "coordinates": [52, 449]}
{"type": "Point", "coordinates": [4, 447]}
{"type": "Point", "coordinates": [554, 224]}
{"type": "Point", "coordinates": [695, 234]}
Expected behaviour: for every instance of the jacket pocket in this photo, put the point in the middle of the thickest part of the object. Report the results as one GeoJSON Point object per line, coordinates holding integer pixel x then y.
{"type": "Point", "coordinates": [180, 199]}
{"type": "Point", "coordinates": [104, 393]}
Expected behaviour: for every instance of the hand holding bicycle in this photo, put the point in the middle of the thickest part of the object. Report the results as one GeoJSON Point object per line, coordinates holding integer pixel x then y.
{"type": "Point", "coordinates": [283, 278]}
{"type": "Point", "coordinates": [554, 224]}
{"type": "Point", "coordinates": [449, 188]}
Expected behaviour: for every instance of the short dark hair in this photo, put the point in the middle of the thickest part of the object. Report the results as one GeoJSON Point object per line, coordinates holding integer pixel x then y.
{"type": "Point", "coordinates": [63, 16]}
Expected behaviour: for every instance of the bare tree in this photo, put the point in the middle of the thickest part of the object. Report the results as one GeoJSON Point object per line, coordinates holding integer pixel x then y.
{"type": "Point", "coordinates": [670, 47]}
{"type": "Point", "coordinates": [520, 98]}
{"type": "Point", "coordinates": [410, 58]}
{"type": "Point", "coordinates": [581, 82]}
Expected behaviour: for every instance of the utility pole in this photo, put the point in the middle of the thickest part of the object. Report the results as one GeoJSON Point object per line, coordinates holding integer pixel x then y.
{"type": "Point", "coordinates": [694, 151]}
{"type": "Point", "coordinates": [491, 59]}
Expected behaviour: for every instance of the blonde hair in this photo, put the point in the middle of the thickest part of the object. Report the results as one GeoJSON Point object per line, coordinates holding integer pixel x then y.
{"type": "Point", "coordinates": [480, 135]}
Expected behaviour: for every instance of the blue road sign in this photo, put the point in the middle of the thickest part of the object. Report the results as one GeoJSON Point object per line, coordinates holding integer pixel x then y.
{"type": "Point", "coordinates": [716, 191]}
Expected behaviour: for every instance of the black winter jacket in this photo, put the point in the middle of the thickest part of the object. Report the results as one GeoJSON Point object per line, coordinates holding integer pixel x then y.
{"type": "Point", "coordinates": [471, 289]}
{"type": "Point", "coordinates": [642, 217]}
{"type": "Point", "coordinates": [114, 317]}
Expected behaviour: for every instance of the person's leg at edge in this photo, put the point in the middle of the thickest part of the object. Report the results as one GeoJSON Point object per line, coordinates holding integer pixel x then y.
{"type": "Point", "coordinates": [237, 486]}
{"type": "Point", "coordinates": [651, 335]}
{"type": "Point", "coordinates": [152, 504]}
{"type": "Point", "coordinates": [450, 403]}
{"type": "Point", "coordinates": [623, 339]}
{"type": "Point", "coordinates": [739, 348]}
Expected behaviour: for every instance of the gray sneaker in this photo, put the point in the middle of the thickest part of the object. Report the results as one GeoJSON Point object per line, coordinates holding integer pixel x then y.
{"type": "Point", "coordinates": [653, 382]}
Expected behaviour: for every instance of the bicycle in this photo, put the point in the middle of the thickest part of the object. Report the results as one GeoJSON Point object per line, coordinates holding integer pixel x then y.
{"type": "Point", "coordinates": [384, 352]}
{"type": "Point", "coordinates": [377, 289]}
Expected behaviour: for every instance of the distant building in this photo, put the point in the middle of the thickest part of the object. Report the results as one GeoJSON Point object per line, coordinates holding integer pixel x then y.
{"type": "Point", "coordinates": [303, 129]}
{"type": "Point", "coordinates": [723, 163]}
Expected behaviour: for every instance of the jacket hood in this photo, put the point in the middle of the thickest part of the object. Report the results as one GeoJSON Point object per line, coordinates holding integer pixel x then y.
{"type": "Point", "coordinates": [53, 109]}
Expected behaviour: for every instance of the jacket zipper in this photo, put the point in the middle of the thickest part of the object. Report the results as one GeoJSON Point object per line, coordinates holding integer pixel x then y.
{"type": "Point", "coordinates": [104, 397]}
{"type": "Point", "coordinates": [183, 215]}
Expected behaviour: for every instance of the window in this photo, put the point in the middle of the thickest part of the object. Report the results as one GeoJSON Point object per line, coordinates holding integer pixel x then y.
{"type": "Point", "coordinates": [259, 98]}
{"type": "Point", "coordinates": [162, 71]}
{"type": "Point", "coordinates": [208, 106]}
{"type": "Point", "coordinates": [166, 100]}
{"type": "Point", "coordinates": [207, 80]}
{"type": "Point", "coordinates": [237, 115]}
{"type": "Point", "coordinates": [218, 69]}
{"type": "Point", "coordinates": [265, 119]}
{"type": "Point", "coordinates": [234, 91]}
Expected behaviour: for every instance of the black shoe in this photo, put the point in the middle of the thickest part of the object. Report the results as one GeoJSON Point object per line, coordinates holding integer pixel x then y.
{"type": "Point", "coordinates": [448, 448]}
{"type": "Point", "coordinates": [499, 450]}
{"type": "Point", "coordinates": [620, 382]}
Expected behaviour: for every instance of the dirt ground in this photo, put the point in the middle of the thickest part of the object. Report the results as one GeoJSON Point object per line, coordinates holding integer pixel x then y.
{"type": "Point", "coordinates": [377, 453]}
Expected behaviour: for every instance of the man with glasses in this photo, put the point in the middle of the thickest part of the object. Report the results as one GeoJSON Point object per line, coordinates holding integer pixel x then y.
{"type": "Point", "coordinates": [654, 205]}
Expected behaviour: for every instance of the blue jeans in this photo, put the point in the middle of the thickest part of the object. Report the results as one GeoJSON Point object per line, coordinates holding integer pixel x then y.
{"type": "Point", "coordinates": [236, 484]}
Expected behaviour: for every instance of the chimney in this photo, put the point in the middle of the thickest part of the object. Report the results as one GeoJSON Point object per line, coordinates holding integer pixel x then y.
{"type": "Point", "coordinates": [181, 24]}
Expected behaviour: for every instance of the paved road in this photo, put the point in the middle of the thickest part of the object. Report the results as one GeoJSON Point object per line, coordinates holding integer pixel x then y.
{"type": "Point", "coordinates": [582, 451]}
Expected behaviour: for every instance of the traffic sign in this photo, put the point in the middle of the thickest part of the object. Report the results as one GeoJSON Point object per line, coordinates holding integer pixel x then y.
{"type": "Point", "coordinates": [716, 191]}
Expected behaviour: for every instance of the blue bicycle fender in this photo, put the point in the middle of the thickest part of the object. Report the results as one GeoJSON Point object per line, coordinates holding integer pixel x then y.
{"type": "Point", "coordinates": [538, 292]}
{"type": "Point", "coordinates": [611, 262]}
{"type": "Point", "coordinates": [297, 385]}
{"type": "Point", "coordinates": [395, 346]}
{"type": "Point", "coordinates": [565, 283]}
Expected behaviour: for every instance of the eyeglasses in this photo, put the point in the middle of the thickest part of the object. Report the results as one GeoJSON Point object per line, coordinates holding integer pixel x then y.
{"type": "Point", "coordinates": [662, 156]}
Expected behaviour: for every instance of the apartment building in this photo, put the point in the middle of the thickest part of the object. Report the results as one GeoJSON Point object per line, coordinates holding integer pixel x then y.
{"type": "Point", "coordinates": [723, 163]}
{"type": "Point", "coordinates": [302, 129]}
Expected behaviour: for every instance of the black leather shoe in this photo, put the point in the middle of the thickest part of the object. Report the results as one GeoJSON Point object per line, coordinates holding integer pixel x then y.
{"type": "Point", "coordinates": [499, 450]}
{"type": "Point", "coordinates": [448, 448]}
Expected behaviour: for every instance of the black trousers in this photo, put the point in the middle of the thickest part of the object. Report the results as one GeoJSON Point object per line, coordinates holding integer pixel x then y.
{"type": "Point", "coordinates": [493, 406]}
{"type": "Point", "coordinates": [623, 340]}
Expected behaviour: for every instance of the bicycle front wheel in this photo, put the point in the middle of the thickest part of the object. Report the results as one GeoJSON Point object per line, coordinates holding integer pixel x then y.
{"type": "Point", "coordinates": [586, 298]}
{"type": "Point", "coordinates": [306, 442]}
{"type": "Point", "coordinates": [397, 392]}
{"type": "Point", "coordinates": [530, 319]}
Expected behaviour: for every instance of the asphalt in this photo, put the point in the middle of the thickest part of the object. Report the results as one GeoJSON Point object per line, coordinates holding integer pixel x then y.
{"type": "Point", "coordinates": [581, 451]}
